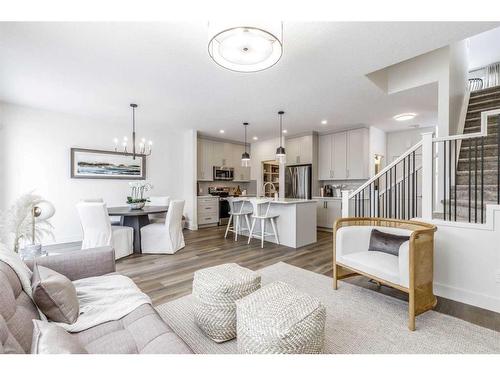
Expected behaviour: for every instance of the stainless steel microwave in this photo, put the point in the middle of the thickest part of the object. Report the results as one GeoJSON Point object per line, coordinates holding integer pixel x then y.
{"type": "Point", "coordinates": [223, 173]}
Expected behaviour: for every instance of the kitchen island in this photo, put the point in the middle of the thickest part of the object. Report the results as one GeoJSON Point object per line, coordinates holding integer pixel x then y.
{"type": "Point", "coordinates": [296, 224]}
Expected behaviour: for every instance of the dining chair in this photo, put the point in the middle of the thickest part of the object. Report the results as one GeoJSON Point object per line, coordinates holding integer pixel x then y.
{"type": "Point", "coordinates": [158, 201]}
{"type": "Point", "coordinates": [237, 210]}
{"type": "Point", "coordinates": [262, 214]}
{"type": "Point", "coordinates": [164, 238]}
{"type": "Point", "coordinates": [98, 231]}
{"type": "Point", "coordinates": [115, 220]}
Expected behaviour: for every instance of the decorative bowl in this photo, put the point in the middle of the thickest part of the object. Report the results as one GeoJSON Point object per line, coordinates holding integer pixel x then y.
{"type": "Point", "coordinates": [136, 206]}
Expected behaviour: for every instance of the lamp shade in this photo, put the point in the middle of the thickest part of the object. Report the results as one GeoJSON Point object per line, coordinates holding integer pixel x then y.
{"type": "Point", "coordinates": [44, 210]}
{"type": "Point", "coordinates": [244, 46]}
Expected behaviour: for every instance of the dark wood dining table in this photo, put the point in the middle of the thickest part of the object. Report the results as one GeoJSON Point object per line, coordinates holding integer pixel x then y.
{"type": "Point", "coordinates": [136, 219]}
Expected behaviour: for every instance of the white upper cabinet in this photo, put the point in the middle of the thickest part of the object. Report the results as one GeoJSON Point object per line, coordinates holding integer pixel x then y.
{"type": "Point", "coordinates": [220, 154]}
{"type": "Point", "coordinates": [357, 154]}
{"type": "Point", "coordinates": [344, 155]}
{"type": "Point", "coordinates": [299, 150]}
{"type": "Point", "coordinates": [325, 157]}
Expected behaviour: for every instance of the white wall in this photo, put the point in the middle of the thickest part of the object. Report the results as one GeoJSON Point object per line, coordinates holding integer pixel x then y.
{"type": "Point", "coordinates": [459, 75]}
{"type": "Point", "coordinates": [377, 144]}
{"type": "Point", "coordinates": [399, 142]}
{"type": "Point", "coordinates": [467, 261]}
{"type": "Point", "coordinates": [36, 156]}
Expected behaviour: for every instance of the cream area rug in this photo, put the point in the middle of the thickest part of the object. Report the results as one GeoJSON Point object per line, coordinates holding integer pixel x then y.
{"type": "Point", "coordinates": [358, 321]}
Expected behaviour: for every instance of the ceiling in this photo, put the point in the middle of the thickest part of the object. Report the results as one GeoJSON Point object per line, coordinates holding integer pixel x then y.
{"type": "Point", "coordinates": [97, 69]}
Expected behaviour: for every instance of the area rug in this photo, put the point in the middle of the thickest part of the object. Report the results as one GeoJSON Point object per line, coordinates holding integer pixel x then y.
{"type": "Point", "coordinates": [358, 321]}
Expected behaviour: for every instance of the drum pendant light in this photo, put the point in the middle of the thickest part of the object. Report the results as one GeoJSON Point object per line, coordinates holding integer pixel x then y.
{"type": "Point", "coordinates": [280, 151]}
{"type": "Point", "coordinates": [245, 157]}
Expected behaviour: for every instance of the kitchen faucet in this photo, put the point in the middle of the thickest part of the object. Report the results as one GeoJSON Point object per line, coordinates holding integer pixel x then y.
{"type": "Point", "coordinates": [273, 187]}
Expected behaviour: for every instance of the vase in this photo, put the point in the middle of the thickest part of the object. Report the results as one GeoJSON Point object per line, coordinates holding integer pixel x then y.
{"type": "Point", "coordinates": [136, 206]}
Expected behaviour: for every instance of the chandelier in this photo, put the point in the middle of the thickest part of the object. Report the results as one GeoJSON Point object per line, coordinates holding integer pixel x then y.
{"type": "Point", "coordinates": [144, 148]}
{"type": "Point", "coordinates": [245, 48]}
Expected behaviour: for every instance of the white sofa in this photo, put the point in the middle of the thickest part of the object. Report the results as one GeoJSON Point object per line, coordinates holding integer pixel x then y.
{"type": "Point", "coordinates": [411, 271]}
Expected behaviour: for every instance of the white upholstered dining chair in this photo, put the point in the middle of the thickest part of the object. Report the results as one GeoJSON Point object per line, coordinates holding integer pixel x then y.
{"type": "Point", "coordinates": [98, 231]}
{"type": "Point", "coordinates": [166, 238]}
{"type": "Point", "coordinates": [158, 201]}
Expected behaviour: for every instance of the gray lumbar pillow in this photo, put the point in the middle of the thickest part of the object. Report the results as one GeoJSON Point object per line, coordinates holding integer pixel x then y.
{"type": "Point", "coordinates": [55, 295]}
{"type": "Point", "coordinates": [49, 338]}
{"type": "Point", "coordinates": [386, 242]}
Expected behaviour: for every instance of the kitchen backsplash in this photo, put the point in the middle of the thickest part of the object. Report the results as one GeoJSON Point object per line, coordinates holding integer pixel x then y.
{"type": "Point", "coordinates": [251, 187]}
{"type": "Point", "coordinates": [348, 184]}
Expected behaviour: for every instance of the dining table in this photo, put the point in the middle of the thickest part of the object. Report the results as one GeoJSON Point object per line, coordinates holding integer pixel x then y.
{"type": "Point", "coordinates": [136, 219]}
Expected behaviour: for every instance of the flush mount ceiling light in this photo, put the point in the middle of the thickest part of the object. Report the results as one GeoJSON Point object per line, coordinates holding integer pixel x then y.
{"type": "Point", "coordinates": [255, 138]}
{"type": "Point", "coordinates": [280, 151]}
{"type": "Point", "coordinates": [245, 157]}
{"type": "Point", "coordinates": [245, 48]}
{"type": "Point", "coordinates": [404, 116]}
{"type": "Point", "coordinates": [324, 122]}
{"type": "Point", "coordinates": [221, 131]}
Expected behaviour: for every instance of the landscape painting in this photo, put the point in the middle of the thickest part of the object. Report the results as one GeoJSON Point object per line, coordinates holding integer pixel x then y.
{"type": "Point", "coordinates": [107, 165]}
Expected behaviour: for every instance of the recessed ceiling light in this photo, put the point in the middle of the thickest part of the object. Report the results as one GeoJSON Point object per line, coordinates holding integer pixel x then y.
{"type": "Point", "coordinates": [221, 131]}
{"type": "Point", "coordinates": [255, 138]}
{"type": "Point", "coordinates": [285, 131]}
{"type": "Point", "coordinates": [324, 122]}
{"type": "Point", "coordinates": [404, 116]}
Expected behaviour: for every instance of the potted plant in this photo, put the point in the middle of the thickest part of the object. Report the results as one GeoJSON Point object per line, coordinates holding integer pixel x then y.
{"type": "Point", "coordinates": [136, 200]}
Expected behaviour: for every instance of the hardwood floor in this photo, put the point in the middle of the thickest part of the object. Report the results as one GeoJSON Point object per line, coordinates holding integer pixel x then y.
{"type": "Point", "coordinates": [166, 277]}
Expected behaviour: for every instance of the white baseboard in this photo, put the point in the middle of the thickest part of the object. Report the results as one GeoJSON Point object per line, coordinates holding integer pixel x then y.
{"type": "Point", "coordinates": [466, 296]}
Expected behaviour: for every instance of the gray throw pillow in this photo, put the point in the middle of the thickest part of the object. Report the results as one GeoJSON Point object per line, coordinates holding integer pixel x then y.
{"type": "Point", "coordinates": [49, 338]}
{"type": "Point", "coordinates": [55, 295]}
{"type": "Point", "coordinates": [386, 242]}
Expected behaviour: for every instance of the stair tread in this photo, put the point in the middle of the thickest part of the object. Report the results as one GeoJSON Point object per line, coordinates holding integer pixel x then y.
{"type": "Point", "coordinates": [482, 109]}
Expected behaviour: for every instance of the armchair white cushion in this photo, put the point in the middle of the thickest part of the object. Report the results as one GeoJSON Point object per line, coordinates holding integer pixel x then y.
{"type": "Point", "coordinates": [165, 238]}
{"type": "Point", "coordinates": [352, 244]}
{"type": "Point", "coordinates": [97, 229]}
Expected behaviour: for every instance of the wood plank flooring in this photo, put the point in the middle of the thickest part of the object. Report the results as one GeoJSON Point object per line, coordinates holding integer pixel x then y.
{"type": "Point", "coordinates": [167, 277]}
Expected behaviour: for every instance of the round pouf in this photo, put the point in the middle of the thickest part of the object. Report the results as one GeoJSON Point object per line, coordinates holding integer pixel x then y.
{"type": "Point", "coordinates": [279, 319]}
{"type": "Point", "coordinates": [215, 291]}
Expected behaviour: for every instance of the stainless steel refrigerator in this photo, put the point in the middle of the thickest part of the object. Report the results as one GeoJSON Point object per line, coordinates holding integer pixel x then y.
{"type": "Point", "coordinates": [298, 181]}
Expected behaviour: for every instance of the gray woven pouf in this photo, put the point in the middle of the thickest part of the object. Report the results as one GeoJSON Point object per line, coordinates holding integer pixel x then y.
{"type": "Point", "coordinates": [280, 319]}
{"type": "Point", "coordinates": [215, 291]}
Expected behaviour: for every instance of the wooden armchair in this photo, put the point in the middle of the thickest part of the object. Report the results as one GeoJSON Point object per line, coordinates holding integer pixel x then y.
{"type": "Point", "coordinates": [410, 272]}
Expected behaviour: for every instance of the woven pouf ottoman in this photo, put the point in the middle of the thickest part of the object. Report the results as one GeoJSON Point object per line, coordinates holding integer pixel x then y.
{"type": "Point", "coordinates": [215, 291]}
{"type": "Point", "coordinates": [279, 319]}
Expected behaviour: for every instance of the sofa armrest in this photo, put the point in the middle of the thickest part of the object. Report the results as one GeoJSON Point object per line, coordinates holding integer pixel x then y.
{"type": "Point", "coordinates": [80, 264]}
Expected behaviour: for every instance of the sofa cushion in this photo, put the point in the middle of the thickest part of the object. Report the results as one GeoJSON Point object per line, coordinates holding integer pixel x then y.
{"type": "Point", "coordinates": [55, 295]}
{"type": "Point", "coordinates": [16, 308]}
{"type": "Point", "coordinates": [141, 331]}
{"type": "Point", "coordinates": [375, 263]}
{"type": "Point", "coordinates": [49, 338]}
{"type": "Point", "coordinates": [8, 344]}
{"type": "Point", "coordinates": [386, 242]}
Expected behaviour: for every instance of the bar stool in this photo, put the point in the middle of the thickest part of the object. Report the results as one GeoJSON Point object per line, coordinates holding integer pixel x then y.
{"type": "Point", "coordinates": [257, 204]}
{"type": "Point", "coordinates": [234, 216]}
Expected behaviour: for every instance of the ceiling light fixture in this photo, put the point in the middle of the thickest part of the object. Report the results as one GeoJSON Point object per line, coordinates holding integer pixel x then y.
{"type": "Point", "coordinates": [324, 122]}
{"type": "Point", "coordinates": [280, 151]}
{"type": "Point", "coordinates": [221, 131]}
{"type": "Point", "coordinates": [142, 145]}
{"type": "Point", "coordinates": [285, 131]}
{"type": "Point", "coordinates": [255, 138]}
{"type": "Point", "coordinates": [404, 116]}
{"type": "Point", "coordinates": [245, 48]}
{"type": "Point", "coordinates": [245, 157]}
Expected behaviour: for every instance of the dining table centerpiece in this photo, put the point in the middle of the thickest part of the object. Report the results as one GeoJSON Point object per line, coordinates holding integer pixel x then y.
{"type": "Point", "coordinates": [137, 201]}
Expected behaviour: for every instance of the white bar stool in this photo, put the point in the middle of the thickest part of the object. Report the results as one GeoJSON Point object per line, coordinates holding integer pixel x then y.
{"type": "Point", "coordinates": [234, 216]}
{"type": "Point", "coordinates": [257, 205]}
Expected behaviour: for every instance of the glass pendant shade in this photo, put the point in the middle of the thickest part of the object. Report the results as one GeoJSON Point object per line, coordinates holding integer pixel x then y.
{"type": "Point", "coordinates": [281, 155]}
{"type": "Point", "coordinates": [245, 159]}
{"type": "Point", "coordinates": [245, 48]}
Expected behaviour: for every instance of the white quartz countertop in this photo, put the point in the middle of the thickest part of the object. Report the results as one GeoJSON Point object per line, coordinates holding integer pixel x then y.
{"type": "Point", "coordinates": [328, 198]}
{"type": "Point", "coordinates": [280, 200]}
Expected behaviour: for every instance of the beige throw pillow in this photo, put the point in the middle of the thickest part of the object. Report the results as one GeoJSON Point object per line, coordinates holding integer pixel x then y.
{"type": "Point", "coordinates": [55, 295]}
{"type": "Point", "coordinates": [49, 338]}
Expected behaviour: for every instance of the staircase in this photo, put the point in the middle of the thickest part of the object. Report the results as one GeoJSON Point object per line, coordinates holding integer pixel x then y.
{"type": "Point", "coordinates": [477, 170]}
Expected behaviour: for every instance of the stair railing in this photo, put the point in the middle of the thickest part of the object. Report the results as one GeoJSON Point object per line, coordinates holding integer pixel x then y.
{"type": "Point", "coordinates": [468, 150]}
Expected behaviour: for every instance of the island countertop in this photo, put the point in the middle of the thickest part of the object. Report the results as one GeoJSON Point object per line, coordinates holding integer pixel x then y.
{"type": "Point", "coordinates": [279, 200]}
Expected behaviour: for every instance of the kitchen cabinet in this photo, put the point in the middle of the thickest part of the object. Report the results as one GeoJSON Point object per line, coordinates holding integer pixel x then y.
{"type": "Point", "coordinates": [328, 210]}
{"type": "Point", "coordinates": [208, 211]}
{"type": "Point", "coordinates": [299, 150]}
{"type": "Point", "coordinates": [344, 155]}
{"type": "Point", "coordinates": [221, 154]}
